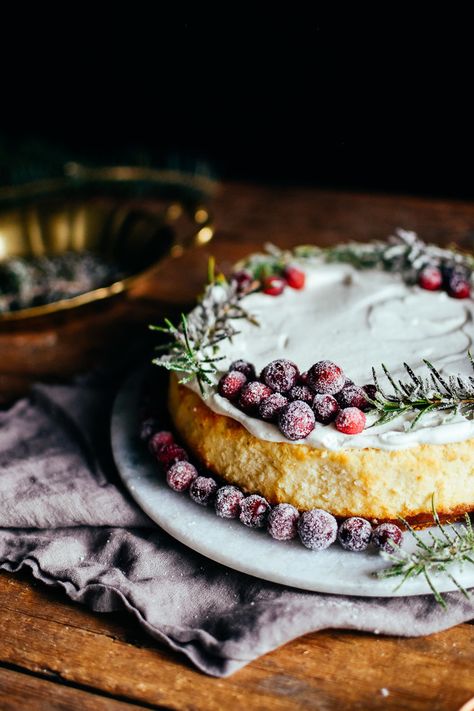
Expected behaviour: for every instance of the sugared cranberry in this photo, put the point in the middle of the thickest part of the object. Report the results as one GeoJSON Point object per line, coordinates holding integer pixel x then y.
{"type": "Point", "coordinates": [274, 285]}
{"type": "Point", "coordinates": [280, 375]}
{"type": "Point", "coordinates": [303, 379]}
{"type": "Point", "coordinates": [459, 287]}
{"type": "Point", "coordinates": [350, 421]}
{"type": "Point", "coordinates": [326, 377]}
{"type": "Point", "coordinates": [181, 475]}
{"type": "Point", "coordinates": [430, 278]}
{"type": "Point", "coordinates": [283, 522]}
{"type": "Point", "coordinates": [231, 384]}
{"type": "Point", "coordinates": [296, 420]}
{"type": "Point", "coordinates": [294, 277]}
{"type": "Point", "coordinates": [325, 408]}
{"type": "Point", "coordinates": [354, 534]}
{"type": "Point", "coordinates": [386, 535]}
{"type": "Point", "coordinates": [148, 427]}
{"type": "Point", "coordinates": [252, 395]}
{"type": "Point", "coordinates": [202, 490]}
{"type": "Point", "coordinates": [169, 454]}
{"type": "Point", "coordinates": [301, 392]}
{"type": "Point", "coordinates": [228, 499]}
{"type": "Point", "coordinates": [243, 366]}
{"type": "Point", "coordinates": [243, 280]}
{"type": "Point", "coordinates": [371, 390]}
{"type": "Point", "coordinates": [254, 510]}
{"type": "Point", "coordinates": [352, 396]}
{"type": "Point", "coordinates": [160, 440]}
{"type": "Point", "coordinates": [317, 529]}
{"type": "Point", "coordinates": [270, 408]}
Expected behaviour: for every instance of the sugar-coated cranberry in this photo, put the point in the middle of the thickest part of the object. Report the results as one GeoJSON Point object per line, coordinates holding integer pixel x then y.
{"type": "Point", "coordinates": [296, 420]}
{"type": "Point", "coordinates": [228, 499]}
{"type": "Point", "coordinates": [181, 475]}
{"type": "Point", "coordinates": [354, 534]}
{"type": "Point", "coordinates": [350, 421]}
{"type": "Point", "coordinates": [326, 377]}
{"type": "Point", "coordinates": [280, 375]}
{"type": "Point", "coordinates": [371, 390]}
{"type": "Point", "coordinates": [353, 396]}
{"type": "Point", "coordinates": [325, 408]}
{"type": "Point", "coordinates": [459, 287]}
{"type": "Point", "coordinates": [283, 522]}
{"type": "Point", "coordinates": [386, 535]}
{"type": "Point", "coordinates": [202, 490]}
{"type": "Point", "coordinates": [301, 392]}
{"type": "Point", "coordinates": [243, 280]}
{"type": "Point", "coordinates": [303, 379]}
{"type": "Point", "coordinates": [270, 408]}
{"type": "Point", "coordinates": [430, 278]}
{"type": "Point", "coordinates": [274, 285]}
{"type": "Point", "coordinates": [254, 510]}
{"type": "Point", "coordinates": [252, 395]}
{"type": "Point", "coordinates": [160, 440]}
{"type": "Point", "coordinates": [171, 453]}
{"type": "Point", "coordinates": [317, 529]}
{"type": "Point", "coordinates": [294, 277]}
{"type": "Point", "coordinates": [231, 384]}
{"type": "Point", "coordinates": [243, 366]}
{"type": "Point", "coordinates": [148, 427]}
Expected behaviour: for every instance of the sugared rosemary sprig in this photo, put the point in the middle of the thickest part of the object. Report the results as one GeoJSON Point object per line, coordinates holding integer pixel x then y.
{"type": "Point", "coordinates": [193, 348]}
{"type": "Point", "coordinates": [421, 395]}
{"type": "Point", "coordinates": [451, 545]}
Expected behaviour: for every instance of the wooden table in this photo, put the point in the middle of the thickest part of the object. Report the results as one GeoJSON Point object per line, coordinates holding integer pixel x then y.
{"type": "Point", "coordinates": [56, 655]}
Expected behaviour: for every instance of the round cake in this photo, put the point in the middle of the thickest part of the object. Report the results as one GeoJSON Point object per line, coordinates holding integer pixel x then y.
{"type": "Point", "coordinates": [275, 389]}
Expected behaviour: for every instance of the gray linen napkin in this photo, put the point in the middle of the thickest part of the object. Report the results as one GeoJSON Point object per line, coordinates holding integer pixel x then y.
{"type": "Point", "coordinates": [65, 517]}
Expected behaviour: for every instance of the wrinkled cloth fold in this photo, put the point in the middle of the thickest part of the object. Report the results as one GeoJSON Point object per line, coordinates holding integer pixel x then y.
{"type": "Point", "coordinates": [65, 517]}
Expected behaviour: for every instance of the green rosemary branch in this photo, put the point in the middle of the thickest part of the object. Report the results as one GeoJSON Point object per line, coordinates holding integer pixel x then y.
{"type": "Point", "coordinates": [421, 395]}
{"type": "Point", "coordinates": [451, 545]}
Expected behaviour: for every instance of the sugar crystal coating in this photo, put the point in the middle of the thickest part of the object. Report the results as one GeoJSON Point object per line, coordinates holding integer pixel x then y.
{"type": "Point", "coordinates": [354, 534]}
{"type": "Point", "coordinates": [301, 392]}
{"type": "Point", "coordinates": [387, 534]}
{"type": "Point", "coordinates": [296, 420]}
{"type": "Point", "coordinates": [350, 421]}
{"type": "Point", "coordinates": [254, 510]}
{"type": "Point", "coordinates": [317, 529]}
{"type": "Point", "coordinates": [283, 522]}
{"type": "Point", "coordinates": [243, 366]}
{"type": "Point", "coordinates": [252, 395]}
{"type": "Point", "coordinates": [326, 377]}
{"type": "Point", "coordinates": [181, 475]}
{"type": "Point", "coordinates": [352, 396]}
{"type": "Point", "coordinates": [170, 454]}
{"type": "Point", "coordinates": [159, 440]}
{"type": "Point", "coordinates": [202, 490]}
{"type": "Point", "coordinates": [228, 500]}
{"type": "Point", "coordinates": [270, 408]}
{"type": "Point", "coordinates": [280, 375]}
{"type": "Point", "coordinates": [325, 408]}
{"type": "Point", "coordinates": [231, 384]}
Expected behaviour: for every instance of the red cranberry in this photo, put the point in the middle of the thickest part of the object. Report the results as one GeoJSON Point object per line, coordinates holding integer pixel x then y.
{"type": "Point", "coordinates": [458, 287]}
{"type": "Point", "coordinates": [280, 375]}
{"type": "Point", "coordinates": [283, 522]}
{"type": "Point", "coordinates": [254, 510]}
{"type": "Point", "coordinates": [354, 534]}
{"type": "Point", "coordinates": [202, 490]}
{"type": "Point", "coordinates": [353, 396]}
{"type": "Point", "coordinates": [326, 377]}
{"type": "Point", "coordinates": [243, 280]}
{"type": "Point", "coordinates": [231, 384]}
{"type": "Point", "coordinates": [325, 408]}
{"type": "Point", "coordinates": [294, 277]}
{"type": "Point", "coordinates": [273, 285]}
{"type": "Point", "coordinates": [387, 537]}
{"type": "Point", "coordinates": [303, 379]}
{"type": "Point", "coordinates": [160, 440]}
{"type": "Point", "coordinates": [169, 454]}
{"type": "Point", "coordinates": [317, 529]}
{"type": "Point", "coordinates": [301, 392]}
{"type": "Point", "coordinates": [296, 420]}
{"type": "Point", "coordinates": [243, 366]}
{"type": "Point", "coordinates": [228, 500]}
{"type": "Point", "coordinates": [181, 475]}
{"type": "Point", "coordinates": [252, 395]}
{"type": "Point", "coordinates": [350, 421]}
{"type": "Point", "coordinates": [270, 408]}
{"type": "Point", "coordinates": [430, 278]}
{"type": "Point", "coordinates": [148, 427]}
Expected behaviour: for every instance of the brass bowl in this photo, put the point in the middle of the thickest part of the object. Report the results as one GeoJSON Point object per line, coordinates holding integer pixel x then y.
{"type": "Point", "coordinates": [133, 216]}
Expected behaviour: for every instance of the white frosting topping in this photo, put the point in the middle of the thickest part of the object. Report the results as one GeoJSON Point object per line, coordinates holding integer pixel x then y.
{"type": "Point", "coordinates": [356, 319]}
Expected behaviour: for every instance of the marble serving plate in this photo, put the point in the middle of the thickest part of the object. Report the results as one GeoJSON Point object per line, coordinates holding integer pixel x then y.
{"type": "Point", "coordinates": [250, 551]}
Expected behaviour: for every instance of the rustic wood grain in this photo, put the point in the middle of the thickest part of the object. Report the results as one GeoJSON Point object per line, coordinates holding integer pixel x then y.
{"type": "Point", "coordinates": [45, 634]}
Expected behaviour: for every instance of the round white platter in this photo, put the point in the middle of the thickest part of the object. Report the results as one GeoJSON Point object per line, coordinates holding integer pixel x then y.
{"type": "Point", "coordinates": [251, 551]}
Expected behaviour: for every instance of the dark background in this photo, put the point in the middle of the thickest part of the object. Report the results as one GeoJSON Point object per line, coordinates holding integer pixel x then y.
{"type": "Point", "coordinates": [381, 102]}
